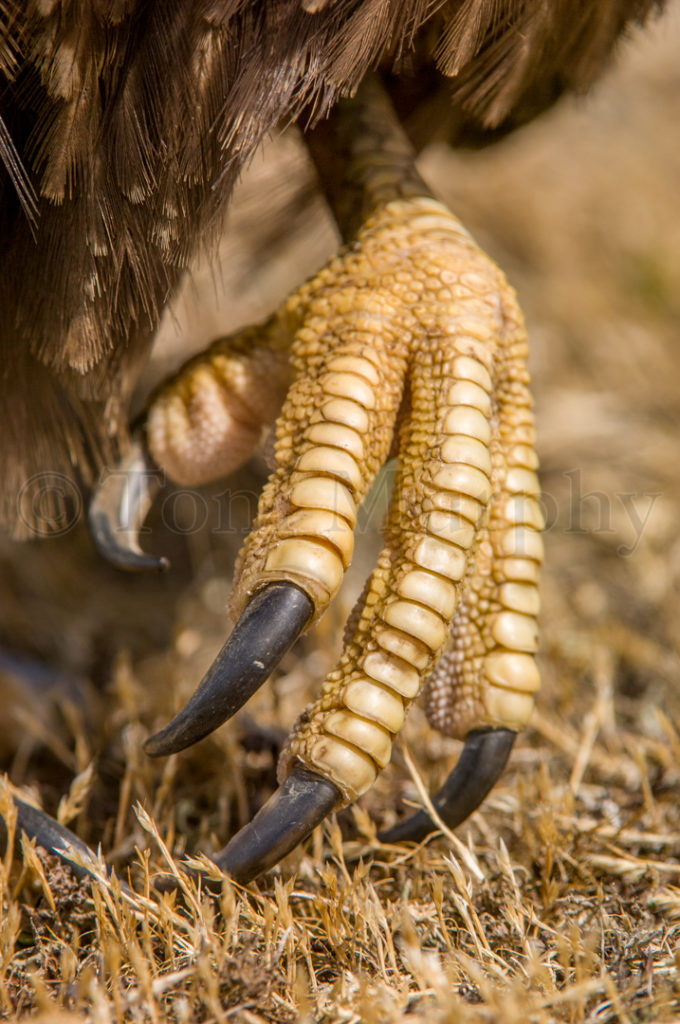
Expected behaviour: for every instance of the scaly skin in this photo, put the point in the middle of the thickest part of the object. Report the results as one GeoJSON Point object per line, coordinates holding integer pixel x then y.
{"type": "Point", "coordinates": [410, 335]}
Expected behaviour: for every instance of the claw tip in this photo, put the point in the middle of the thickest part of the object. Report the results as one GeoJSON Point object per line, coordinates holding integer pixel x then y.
{"type": "Point", "coordinates": [274, 618]}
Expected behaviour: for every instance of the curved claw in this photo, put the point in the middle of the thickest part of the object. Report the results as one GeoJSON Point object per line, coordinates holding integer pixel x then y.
{"type": "Point", "coordinates": [56, 839]}
{"type": "Point", "coordinates": [119, 507]}
{"type": "Point", "coordinates": [271, 623]}
{"type": "Point", "coordinates": [288, 817]}
{"type": "Point", "coordinates": [477, 770]}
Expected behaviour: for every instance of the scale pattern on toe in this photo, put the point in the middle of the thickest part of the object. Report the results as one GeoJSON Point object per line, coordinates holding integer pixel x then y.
{"type": "Point", "coordinates": [410, 340]}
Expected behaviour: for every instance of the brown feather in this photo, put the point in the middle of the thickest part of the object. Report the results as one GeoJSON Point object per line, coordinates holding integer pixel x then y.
{"type": "Point", "coordinates": [125, 124]}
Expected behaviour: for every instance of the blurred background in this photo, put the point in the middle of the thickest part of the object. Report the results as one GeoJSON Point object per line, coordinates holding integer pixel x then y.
{"type": "Point", "coordinates": [582, 211]}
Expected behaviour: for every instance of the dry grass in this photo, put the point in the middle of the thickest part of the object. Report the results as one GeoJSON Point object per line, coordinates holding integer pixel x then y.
{"type": "Point", "coordinates": [560, 900]}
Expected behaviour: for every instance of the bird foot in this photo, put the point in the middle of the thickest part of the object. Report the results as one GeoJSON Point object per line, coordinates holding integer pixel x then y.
{"type": "Point", "coordinates": [408, 343]}
{"type": "Point", "coordinates": [409, 340]}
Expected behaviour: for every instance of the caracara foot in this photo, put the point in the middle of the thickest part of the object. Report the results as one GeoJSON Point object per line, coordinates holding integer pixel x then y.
{"type": "Point", "coordinates": [410, 340]}
{"type": "Point", "coordinates": [408, 343]}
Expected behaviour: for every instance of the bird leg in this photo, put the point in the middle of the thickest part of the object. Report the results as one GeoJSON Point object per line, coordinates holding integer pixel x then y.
{"type": "Point", "coordinates": [409, 341]}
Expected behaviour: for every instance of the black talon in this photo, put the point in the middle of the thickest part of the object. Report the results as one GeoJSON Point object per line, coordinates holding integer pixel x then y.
{"type": "Point", "coordinates": [477, 770]}
{"type": "Point", "coordinates": [54, 838]}
{"type": "Point", "coordinates": [118, 509]}
{"type": "Point", "coordinates": [271, 623]}
{"type": "Point", "coordinates": [288, 817]}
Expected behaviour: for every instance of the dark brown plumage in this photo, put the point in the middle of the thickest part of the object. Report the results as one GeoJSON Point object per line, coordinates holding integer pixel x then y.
{"type": "Point", "coordinates": [125, 124]}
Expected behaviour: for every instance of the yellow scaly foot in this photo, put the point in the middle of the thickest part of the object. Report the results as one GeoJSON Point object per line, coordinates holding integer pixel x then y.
{"type": "Point", "coordinates": [410, 340]}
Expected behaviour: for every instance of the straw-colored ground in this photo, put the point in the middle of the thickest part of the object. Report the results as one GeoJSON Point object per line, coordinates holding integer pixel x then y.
{"type": "Point", "coordinates": [560, 900]}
